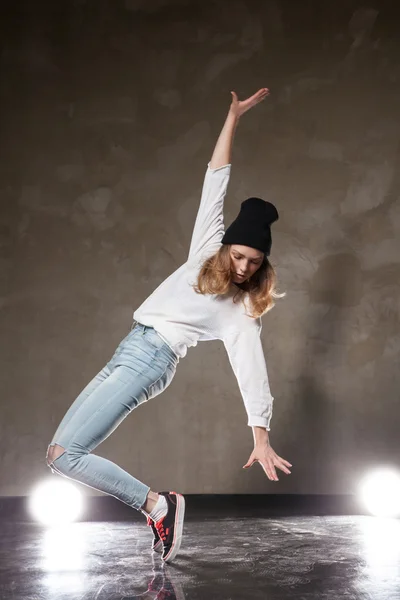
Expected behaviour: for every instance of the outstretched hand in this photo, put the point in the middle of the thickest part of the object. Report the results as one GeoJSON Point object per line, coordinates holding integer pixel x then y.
{"type": "Point", "coordinates": [238, 107]}
{"type": "Point", "coordinates": [268, 459]}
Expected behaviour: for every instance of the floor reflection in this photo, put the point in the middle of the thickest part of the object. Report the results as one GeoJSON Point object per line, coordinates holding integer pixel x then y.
{"type": "Point", "coordinates": [316, 558]}
{"type": "Point", "coordinates": [162, 584]}
{"type": "Point", "coordinates": [381, 539]}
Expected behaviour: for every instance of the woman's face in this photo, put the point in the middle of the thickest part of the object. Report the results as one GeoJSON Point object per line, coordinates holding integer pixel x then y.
{"type": "Point", "coordinates": [245, 262]}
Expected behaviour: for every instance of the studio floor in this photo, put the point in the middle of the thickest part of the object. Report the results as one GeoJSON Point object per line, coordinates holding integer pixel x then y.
{"type": "Point", "coordinates": [303, 558]}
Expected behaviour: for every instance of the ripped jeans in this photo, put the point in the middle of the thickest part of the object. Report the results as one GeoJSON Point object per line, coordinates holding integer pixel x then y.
{"type": "Point", "coordinates": [142, 367]}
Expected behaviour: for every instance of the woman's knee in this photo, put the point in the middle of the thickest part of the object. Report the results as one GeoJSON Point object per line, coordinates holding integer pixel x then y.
{"type": "Point", "coordinates": [54, 451]}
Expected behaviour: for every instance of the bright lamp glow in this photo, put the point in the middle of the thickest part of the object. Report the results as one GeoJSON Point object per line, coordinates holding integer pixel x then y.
{"type": "Point", "coordinates": [381, 539]}
{"type": "Point", "coordinates": [380, 493]}
{"type": "Point", "coordinates": [64, 549]}
{"type": "Point", "coordinates": [56, 502]}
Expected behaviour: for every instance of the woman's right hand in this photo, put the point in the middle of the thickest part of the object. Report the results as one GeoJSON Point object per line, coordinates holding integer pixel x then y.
{"type": "Point", "coordinates": [239, 107]}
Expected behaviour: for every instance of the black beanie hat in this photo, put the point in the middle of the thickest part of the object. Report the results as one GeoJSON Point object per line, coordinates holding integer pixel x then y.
{"type": "Point", "coordinates": [252, 225]}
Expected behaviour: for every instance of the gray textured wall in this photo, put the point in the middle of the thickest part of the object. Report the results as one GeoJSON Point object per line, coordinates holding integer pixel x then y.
{"type": "Point", "coordinates": [110, 113]}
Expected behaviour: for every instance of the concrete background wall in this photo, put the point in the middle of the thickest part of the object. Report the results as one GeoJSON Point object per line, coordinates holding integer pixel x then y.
{"type": "Point", "coordinates": [110, 113]}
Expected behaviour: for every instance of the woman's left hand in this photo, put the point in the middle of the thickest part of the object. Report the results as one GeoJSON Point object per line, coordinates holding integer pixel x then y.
{"type": "Point", "coordinates": [238, 107]}
{"type": "Point", "coordinates": [268, 459]}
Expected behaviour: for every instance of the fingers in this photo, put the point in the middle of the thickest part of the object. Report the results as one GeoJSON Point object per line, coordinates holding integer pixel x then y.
{"type": "Point", "coordinates": [282, 465]}
{"type": "Point", "coordinates": [279, 463]}
{"type": "Point", "coordinates": [284, 469]}
{"type": "Point", "coordinates": [269, 465]}
{"type": "Point", "coordinates": [254, 99]}
{"type": "Point", "coordinates": [257, 98]}
{"type": "Point", "coordinates": [261, 94]}
{"type": "Point", "coordinates": [269, 470]}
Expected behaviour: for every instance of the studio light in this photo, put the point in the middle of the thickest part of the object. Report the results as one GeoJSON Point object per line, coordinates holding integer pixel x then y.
{"type": "Point", "coordinates": [56, 502]}
{"type": "Point", "coordinates": [380, 492]}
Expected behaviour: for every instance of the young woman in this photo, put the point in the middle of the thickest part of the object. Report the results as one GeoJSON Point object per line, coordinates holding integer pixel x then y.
{"type": "Point", "coordinates": [221, 291]}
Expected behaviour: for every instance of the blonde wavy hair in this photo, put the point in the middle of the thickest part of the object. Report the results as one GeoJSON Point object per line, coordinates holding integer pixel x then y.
{"type": "Point", "coordinates": [215, 277]}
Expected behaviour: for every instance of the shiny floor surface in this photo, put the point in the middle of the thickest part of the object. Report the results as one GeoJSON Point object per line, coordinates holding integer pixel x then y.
{"type": "Point", "coordinates": [299, 558]}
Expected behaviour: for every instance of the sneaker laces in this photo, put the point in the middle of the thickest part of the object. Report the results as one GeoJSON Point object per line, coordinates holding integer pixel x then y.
{"type": "Point", "coordinates": [160, 530]}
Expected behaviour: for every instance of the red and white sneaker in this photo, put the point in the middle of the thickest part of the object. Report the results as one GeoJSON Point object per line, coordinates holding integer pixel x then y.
{"type": "Point", "coordinates": [170, 527]}
{"type": "Point", "coordinates": [156, 544]}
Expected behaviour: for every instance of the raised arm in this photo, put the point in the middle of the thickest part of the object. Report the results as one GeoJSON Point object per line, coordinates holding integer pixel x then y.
{"type": "Point", "coordinates": [209, 226]}
{"type": "Point", "coordinates": [223, 148]}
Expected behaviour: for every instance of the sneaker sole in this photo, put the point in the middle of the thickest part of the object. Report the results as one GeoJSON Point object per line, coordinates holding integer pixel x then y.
{"type": "Point", "coordinates": [179, 517]}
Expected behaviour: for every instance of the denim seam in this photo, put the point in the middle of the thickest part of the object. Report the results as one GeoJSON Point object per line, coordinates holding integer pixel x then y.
{"type": "Point", "coordinates": [165, 343]}
{"type": "Point", "coordinates": [107, 403]}
{"type": "Point", "coordinates": [161, 376]}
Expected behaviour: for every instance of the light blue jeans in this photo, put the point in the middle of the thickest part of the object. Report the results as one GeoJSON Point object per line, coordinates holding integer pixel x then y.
{"type": "Point", "coordinates": [142, 367]}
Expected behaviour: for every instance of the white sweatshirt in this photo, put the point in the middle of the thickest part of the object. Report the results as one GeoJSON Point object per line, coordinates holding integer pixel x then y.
{"type": "Point", "coordinates": [183, 317]}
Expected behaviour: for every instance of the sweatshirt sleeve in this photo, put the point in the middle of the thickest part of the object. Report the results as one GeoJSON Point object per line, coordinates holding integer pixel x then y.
{"type": "Point", "coordinates": [209, 225]}
{"type": "Point", "coordinates": [246, 356]}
